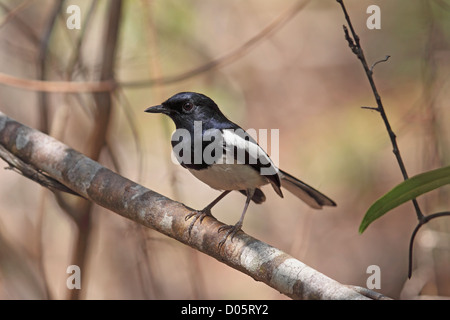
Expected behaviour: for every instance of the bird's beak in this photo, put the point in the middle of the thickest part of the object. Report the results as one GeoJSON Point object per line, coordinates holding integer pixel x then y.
{"type": "Point", "coordinates": [157, 109]}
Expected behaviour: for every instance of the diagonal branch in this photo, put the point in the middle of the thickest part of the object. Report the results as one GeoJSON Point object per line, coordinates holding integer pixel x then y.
{"type": "Point", "coordinates": [102, 186]}
{"type": "Point", "coordinates": [355, 46]}
{"type": "Point", "coordinates": [32, 173]}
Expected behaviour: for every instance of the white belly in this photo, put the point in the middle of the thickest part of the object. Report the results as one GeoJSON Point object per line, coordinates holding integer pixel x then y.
{"type": "Point", "coordinates": [230, 177]}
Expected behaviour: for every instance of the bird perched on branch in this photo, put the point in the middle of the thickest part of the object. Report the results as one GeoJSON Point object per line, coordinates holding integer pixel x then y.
{"type": "Point", "coordinates": [225, 157]}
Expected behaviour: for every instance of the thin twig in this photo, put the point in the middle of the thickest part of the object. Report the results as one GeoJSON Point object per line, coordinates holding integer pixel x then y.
{"type": "Point", "coordinates": [416, 229]}
{"type": "Point", "coordinates": [370, 108]}
{"type": "Point", "coordinates": [32, 173]}
{"type": "Point", "coordinates": [354, 44]}
{"type": "Point", "coordinates": [379, 61]}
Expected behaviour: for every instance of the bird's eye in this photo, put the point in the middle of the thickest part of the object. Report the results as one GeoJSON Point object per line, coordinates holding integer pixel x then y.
{"type": "Point", "coordinates": [188, 106]}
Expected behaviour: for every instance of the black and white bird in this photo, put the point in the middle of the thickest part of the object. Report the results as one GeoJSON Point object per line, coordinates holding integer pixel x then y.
{"type": "Point", "coordinates": [222, 155]}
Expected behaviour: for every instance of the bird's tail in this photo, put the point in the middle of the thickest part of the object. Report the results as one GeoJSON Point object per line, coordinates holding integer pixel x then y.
{"type": "Point", "coordinates": [311, 196]}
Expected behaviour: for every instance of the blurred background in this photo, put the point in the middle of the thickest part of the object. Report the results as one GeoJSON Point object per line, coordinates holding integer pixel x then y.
{"type": "Point", "coordinates": [269, 65]}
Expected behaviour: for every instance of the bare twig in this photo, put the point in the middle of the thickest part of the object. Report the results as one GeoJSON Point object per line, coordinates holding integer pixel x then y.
{"type": "Point", "coordinates": [369, 108]}
{"type": "Point", "coordinates": [354, 44]}
{"type": "Point", "coordinates": [133, 201]}
{"type": "Point", "coordinates": [76, 57]}
{"type": "Point", "coordinates": [32, 173]}
{"type": "Point", "coordinates": [379, 61]}
{"type": "Point", "coordinates": [416, 229]}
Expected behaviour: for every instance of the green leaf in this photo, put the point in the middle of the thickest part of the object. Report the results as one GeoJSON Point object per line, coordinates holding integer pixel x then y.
{"type": "Point", "coordinates": [405, 191]}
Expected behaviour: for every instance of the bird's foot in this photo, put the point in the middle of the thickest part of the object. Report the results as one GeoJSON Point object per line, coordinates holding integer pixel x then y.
{"type": "Point", "coordinates": [231, 232]}
{"type": "Point", "coordinates": [197, 214]}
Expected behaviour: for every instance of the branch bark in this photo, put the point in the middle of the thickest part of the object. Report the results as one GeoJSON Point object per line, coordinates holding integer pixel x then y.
{"type": "Point", "coordinates": [102, 186]}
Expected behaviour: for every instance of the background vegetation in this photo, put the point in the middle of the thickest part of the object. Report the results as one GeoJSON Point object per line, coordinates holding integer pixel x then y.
{"type": "Point", "coordinates": [300, 78]}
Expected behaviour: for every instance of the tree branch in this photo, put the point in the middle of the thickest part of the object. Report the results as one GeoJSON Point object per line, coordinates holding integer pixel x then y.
{"type": "Point", "coordinates": [102, 186]}
{"type": "Point", "coordinates": [32, 173]}
{"type": "Point", "coordinates": [356, 48]}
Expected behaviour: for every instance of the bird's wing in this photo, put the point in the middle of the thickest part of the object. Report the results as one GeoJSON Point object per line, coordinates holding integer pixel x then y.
{"type": "Point", "coordinates": [239, 147]}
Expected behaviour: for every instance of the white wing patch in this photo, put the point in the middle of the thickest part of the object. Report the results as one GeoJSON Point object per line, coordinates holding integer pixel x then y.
{"type": "Point", "coordinates": [234, 141]}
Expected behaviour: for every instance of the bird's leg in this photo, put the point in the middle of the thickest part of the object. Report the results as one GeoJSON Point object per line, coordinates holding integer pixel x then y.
{"type": "Point", "coordinates": [232, 230]}
{"type": "Point", "coordinates": [201, 214]}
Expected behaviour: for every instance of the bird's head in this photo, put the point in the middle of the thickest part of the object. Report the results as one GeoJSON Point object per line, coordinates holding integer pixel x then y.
{"type": "Point", "coordinates": [186, 107]}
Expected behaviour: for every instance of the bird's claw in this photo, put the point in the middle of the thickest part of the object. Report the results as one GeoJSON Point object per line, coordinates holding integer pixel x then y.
{"type": "Point", "coordinates": [197, 214]}
{"type": "Point", "coordinates": [232, 230]}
